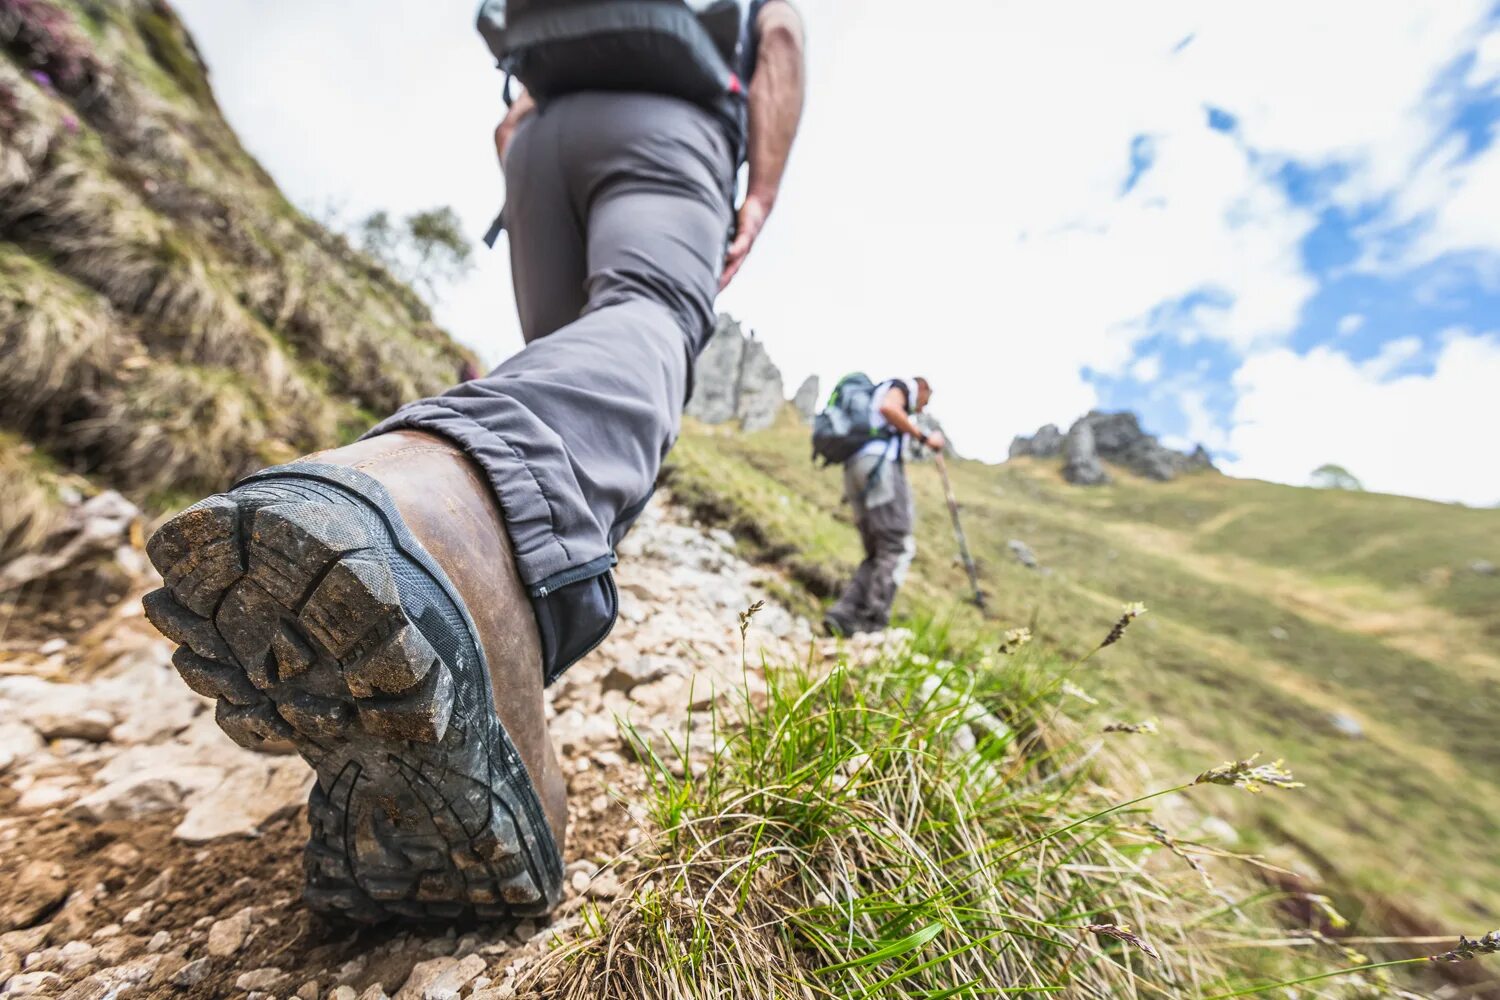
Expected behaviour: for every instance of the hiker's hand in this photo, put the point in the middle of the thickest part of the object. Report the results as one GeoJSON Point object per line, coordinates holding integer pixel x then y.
{"type": "Point", "coordinates": [751, 219]}
{"type": "Point", "coordinates": [937, 442]}
{"type": "Point", "coordinates": [506, 131]}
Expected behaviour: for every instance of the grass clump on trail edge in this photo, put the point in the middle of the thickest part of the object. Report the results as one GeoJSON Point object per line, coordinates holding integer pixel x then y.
{"type": "Point", "coordinates": [927, 824]}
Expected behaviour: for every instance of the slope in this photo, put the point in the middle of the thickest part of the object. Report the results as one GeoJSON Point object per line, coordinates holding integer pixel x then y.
{"type": "Point", "coordinates": [1352, 634]}
{"type": "Point", "coordinates": [168, 320]}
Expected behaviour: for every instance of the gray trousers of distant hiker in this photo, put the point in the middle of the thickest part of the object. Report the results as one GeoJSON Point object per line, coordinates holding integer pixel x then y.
{"type": "Point", "coordinates": [884, 515]}
{"type": "Point", "coordinates": [618, 211]}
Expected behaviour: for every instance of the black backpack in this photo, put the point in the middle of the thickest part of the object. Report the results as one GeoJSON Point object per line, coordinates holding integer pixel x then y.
{"type": "Point", "coordinates": [843, 427]}
{"type": "Point", "coordinates": [681, 48]}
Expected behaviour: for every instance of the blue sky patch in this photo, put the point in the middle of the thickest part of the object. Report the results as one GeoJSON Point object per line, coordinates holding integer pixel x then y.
{"type": "Point", "coordinates": [1366, 306]}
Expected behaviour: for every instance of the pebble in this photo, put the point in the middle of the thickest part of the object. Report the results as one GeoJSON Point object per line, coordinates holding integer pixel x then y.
{"type": "Point", "coordinates": [259, 979]}
{"type": "Point", "coordinates": [342, 993]}
{"type": "Point", "coordinates": [308, 990]}
{"type": "Point", "coordinates": [192, 973]}
{"type": "Point", "coordinates": [32, 984]}
{"type": "Point", "coordinates": [159, 941]}
{"type": "Point", "coordinates": [227, 936]}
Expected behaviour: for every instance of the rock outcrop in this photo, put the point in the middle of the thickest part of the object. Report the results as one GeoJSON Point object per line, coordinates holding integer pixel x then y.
{"type": "Point", "coordinates": [1083, 466]}
{"type": "Point", "coordinates": [805, 401]}
{"type": "Point", "coordinates": [735, 380]}
{"type": "Point", "coordinates": [1116, 438]}
{"type": "Point", "coordinates": [1047, 442]}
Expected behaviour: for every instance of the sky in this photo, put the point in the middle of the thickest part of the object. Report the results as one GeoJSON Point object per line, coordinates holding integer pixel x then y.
{"type": "Point", "coordinates": [1273, 228]}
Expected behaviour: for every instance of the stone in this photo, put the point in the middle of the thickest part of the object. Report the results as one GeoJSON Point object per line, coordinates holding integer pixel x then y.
{"type": "Point", "coordinates": [159, 941]}
{"type": "Point", "coordinates": [308, 990]}
{"type": "Point", "coordinates": [735, 380]}
{"type": "Point", "coordinates": [375, 992]}
{"type": "Point", "coordinates": [627, 674]}
{"type": "Point", "coordinates": [342, 993]}
{"type": "Point", "coordinates": [130, 798]}
{"type": "Point", "coordinates": [259, 979]}
{"type": "Point", "coordinates": [605, 885]}
{"type": "Point", "coordinates": [1483, 567]}
{"type": "Point", "coordinates": [1348, 725]}
{"type": "Point", "coordinates": [441, 978]}
{"type": "Point", "coordinates": [192, 973]}
{"type": "Point", "coordinates": [805, 399]}
{"type": "Point", "coordinates": [45, 795]}
{"type": "Point", "coordinates": [92, 724]}
{"type": "Point", "coordinates": [56, 644]}
{"type": "Point", "coordinates": [33, 984]}
{"type": "Point", "coordinates": [227, 936]}
{"type": "Point", "coordinates": [1023, 553]}
{"type": "Point", "coordinates": [1083, 467]}
{"type": "Point", "coordinates": [247, 799]}
{"type": "Point", "coordinates": [76, 955]}
{"type": "Point", "coordinates": [39, 888]}
{"type": "Point", "coordinates": [96, 526]}
{"type": "Point", "coordinates": [18, 740]}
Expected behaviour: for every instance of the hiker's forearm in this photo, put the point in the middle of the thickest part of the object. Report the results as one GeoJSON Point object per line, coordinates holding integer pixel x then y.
{"type": "Point", "coordinates": [897, 418]}
{"type": "Point", "coordinates": [776, 94]}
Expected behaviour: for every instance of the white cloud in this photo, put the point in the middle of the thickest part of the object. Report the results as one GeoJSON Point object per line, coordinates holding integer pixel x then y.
{"type": "Point", "coordinates": [1350, 324]}
{"type": "Point", "coordinates": [1147, 369]}
{"type": "Point", "coordinates": [1414, 434]}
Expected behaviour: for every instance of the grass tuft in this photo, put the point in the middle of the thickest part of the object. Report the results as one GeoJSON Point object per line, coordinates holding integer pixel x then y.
{"type": "Point", "coordinates": [928, 824]}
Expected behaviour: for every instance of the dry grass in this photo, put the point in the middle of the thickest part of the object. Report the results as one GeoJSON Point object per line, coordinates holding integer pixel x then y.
{"type": "Point", "coordinates": [59, 342]}
{"type": "Point", "coordinates": [30, 505]}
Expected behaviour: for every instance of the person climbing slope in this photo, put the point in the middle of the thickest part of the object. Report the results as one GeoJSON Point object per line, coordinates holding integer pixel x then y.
{"type": "Point", "coordinates": [394, 608]}
{"type": "Point", "coordinates": [875, 487]}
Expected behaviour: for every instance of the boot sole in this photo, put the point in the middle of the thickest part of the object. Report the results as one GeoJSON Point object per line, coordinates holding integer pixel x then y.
{"type": "Point", "coordinates": [305, 608]}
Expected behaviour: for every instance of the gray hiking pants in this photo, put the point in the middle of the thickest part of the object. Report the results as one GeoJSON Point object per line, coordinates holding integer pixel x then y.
{"type": "Point", "coordinates": [884, 515]}
{"type": "Point", "coordinates": [618, 208]}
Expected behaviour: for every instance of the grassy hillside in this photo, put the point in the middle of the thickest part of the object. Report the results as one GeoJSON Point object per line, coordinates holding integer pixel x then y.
{"type": "Point", "coordinates": [1279, 619]}
{"type": "Point", "coordinates": [167, 320]}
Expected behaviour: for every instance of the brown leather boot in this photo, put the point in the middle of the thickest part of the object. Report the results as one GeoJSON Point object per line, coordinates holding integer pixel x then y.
{"type": "Point", "coordinates": [363, 603]}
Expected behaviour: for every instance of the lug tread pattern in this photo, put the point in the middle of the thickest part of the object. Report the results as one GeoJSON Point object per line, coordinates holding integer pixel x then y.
{"type": "Point", "coordinates": [287, 612]}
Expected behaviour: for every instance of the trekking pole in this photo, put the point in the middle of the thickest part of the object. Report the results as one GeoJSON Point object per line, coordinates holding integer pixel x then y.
{"type": "Point", "coordinates": [958, 533]}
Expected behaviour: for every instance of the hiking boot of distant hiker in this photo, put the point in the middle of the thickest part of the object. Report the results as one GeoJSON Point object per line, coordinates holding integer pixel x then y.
{"type": "Point", "coordinates": [363, 603]}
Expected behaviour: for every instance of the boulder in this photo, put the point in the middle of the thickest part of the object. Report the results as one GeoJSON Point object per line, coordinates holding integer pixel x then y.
{"type": "Point", "coordinates": [1083, 467]}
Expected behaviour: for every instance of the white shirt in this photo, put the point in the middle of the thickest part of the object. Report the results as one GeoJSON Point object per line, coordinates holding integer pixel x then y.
{"type": "Point", "coordinates": [890, 446]}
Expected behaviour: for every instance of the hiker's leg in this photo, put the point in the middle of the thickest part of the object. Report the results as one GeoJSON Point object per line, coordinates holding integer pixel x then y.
{"type": "Point", "coordinates": [548, 259]}
{"type": "Point", "coordinates": [850, 611]}
{"type": "Point", "coordinates": [891, 524]}
{"type": "Point", "coordinates": [571, 432]}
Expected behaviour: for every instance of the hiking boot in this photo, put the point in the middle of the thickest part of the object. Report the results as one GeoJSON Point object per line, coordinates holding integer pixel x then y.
{"type": "Point", "coordinates": [363, 604]}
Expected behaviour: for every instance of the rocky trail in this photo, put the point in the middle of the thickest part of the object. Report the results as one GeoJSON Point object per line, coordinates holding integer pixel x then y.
{"type": "Point", "coordinates": [144, 854]}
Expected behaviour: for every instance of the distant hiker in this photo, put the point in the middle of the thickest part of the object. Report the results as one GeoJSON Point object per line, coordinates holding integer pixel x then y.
{"type": "Point", "coordinates": [393, 608]}
{"type": "Point", "coordinates": [865, 426]}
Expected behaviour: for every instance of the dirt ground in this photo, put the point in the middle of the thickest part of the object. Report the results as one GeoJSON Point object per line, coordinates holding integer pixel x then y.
{"type": "Point", "coordinates": [143, 854]}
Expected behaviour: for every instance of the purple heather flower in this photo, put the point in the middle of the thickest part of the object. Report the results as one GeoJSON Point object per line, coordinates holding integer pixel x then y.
{"type": "Point", "coordinates": [42, 78]}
